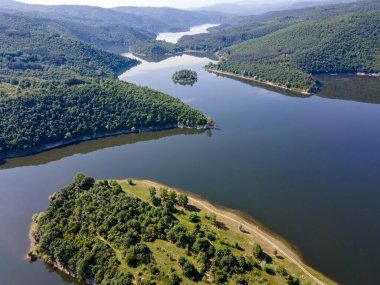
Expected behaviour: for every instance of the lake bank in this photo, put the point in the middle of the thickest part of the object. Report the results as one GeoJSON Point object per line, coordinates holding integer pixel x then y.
{"type": "Point", "coordinates": [229, 226]}
{"type": "Point", "coordinates": [268, 83]}
{"type": "Point", "coordinates": [67, 142]}
{"type": "Point", "coordinates": [253, 230]}
{"type": "Point", "coordinates": [174, 37]}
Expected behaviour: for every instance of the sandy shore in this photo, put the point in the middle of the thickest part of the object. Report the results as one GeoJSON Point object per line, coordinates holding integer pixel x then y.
{"type": "Point", "coordinates": [257, 233]}
{"type": "Point", "coordinates": [234, 221]}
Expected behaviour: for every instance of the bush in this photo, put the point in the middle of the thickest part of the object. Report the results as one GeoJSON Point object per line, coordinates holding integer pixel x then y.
{"type": "Point", "coordinates": [257, 251]}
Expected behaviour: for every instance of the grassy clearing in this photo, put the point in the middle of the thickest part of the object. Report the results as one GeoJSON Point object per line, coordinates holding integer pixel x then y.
{"type": "Point", "coordinates": [233, 232]}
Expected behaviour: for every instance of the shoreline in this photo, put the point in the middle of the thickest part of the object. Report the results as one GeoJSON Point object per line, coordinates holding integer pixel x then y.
{"type": "Point", "coordinates": [233, 219]}
{"type": "Point", "coordinates": [266, 237]}
{"type": "Point", "coordinates": [268, 83]}
{"type": "Point", "coordinates": [82, 138]}
{"type": "Point", "coordinates": [187, 82]}
{"type": "Point", "coordinates": [368, 74]}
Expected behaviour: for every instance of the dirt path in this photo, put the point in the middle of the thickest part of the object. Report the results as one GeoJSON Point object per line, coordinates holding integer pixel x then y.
{"type": "Point", "coordinates": [260, 233]}
{"type": "Point", "coordinates": [252, 228]}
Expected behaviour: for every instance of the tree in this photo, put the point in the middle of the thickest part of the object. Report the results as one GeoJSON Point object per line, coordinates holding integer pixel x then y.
{"type": "Point", "coordinates": [183, 200]}
{"type": "Point", "coordinates": [138, 254]}
{"type": "Point", "coordinates": [257, 251]}
{"type": "Point", "coordinates": [83, 181]}
{"type": "Point", "coordinates": [212, 218]}
{"type": "Point", "coordinates": [194, 218]}
{"type": "Point", "coordinates": [164, 194]}
{"type": "Point", "coordinates": [188, 268]}
{"type": "Point", "coordinates": [174, 280]}
{"type": "Point", "coordinates": [152, 192]}
{"type": "Point", "coordinates": [172, 196]}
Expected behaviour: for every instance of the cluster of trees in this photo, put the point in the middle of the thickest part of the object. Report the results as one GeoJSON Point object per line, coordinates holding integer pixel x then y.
{"type": "Point", "coordinates": [51, 56]}
{"type": "Point", "coordinates": [151, 19]}
{"type": "Point", "coordinates": [54, 88]}
{"type": "Point", "coordinates": [111, 37]}
{"type": "Point", "coordinates": [185, 76]}
{"type": "Point", "coordinates": [241, 29]}
{"type": "Point", "coordinates": [155, 49]}
{"type": "Point", "coordinates": [347, 43]}
{"type": "Point", "coordinates": [229, 35]}
{"type": "Point", "coordinates": [287, 47]}
{"type": "Point", "coordinates": [93, 228]}
{"type": "Point", "coordinates": [74, 108]}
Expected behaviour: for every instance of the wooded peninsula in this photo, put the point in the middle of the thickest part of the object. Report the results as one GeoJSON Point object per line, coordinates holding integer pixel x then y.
{"type": "Point", "coordinates": [142, 232]}
{"type": "Point", "coordinates": [55, 89]}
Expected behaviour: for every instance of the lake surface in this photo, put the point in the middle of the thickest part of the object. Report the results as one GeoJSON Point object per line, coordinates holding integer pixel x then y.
{"type": "Point", "coordinates": [307, 168]}
{"type": "Point", "coordinates": [174, 37]}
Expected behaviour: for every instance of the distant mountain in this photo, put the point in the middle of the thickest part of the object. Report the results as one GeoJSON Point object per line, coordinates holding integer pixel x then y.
{"type": "Point", "coordinates": [55, 89]}
{"type": "Point", "coordinates": [286, 47]}
{"type": "Point", "coordinates": [245, 8]}
{"type": "Point", "coordinates": [176, 17]}
{"type": "Point", "coordinates": [341, 44]}
{"type": "Point", "coordinates": [241, 29]}
{"type": "Point", "coordinates": [149, 19]}
{"type": "Point", "coordinates": [111, 37]}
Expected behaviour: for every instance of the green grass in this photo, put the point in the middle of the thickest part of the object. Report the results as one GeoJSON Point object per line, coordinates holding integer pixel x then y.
{"type": "Point", "coordinates": [166, 254]}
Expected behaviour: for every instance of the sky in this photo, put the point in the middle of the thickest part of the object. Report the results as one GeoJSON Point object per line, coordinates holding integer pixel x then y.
{"type": "Point", "coordinates": [155, 3]}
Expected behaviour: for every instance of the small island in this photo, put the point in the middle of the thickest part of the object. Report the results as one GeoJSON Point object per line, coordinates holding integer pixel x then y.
{"type": "Point", "coordinates": [185, 77]}
{"type": "Point", "coordinates": [142, 232]}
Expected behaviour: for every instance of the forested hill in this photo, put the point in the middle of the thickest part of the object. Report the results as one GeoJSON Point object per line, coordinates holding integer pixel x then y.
{"type": "Point", "coordinates": [55, 90]}
{"type": "Point", "coordinates": [242, 29]}
{"type": "Point", "coordinates": [285, 47]}
{"type": "Point", "coordinates": [149, 19]}
{"type": "Point", "coordinates": [43, 54]}
{"type": "Point", "coordinates": [112, 37]}
{"type": "Point", "coordinates": [128, 232]}
{"type": "Point", "coordinates": [177, 17]}
{"type": "Point", "coordinates": [62, 111]}
{"type": "Point", "coordinates": [348, 43]}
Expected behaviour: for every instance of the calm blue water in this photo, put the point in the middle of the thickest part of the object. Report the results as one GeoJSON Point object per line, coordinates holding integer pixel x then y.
{"type": "Point", "coordinates": [307, 168]}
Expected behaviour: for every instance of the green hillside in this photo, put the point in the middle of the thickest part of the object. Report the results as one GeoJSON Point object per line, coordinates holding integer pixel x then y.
{"type": "Point", "coordinates": [241, 29]}
{"type": "Point", "coordinates": [55, 89]}
{"type": "Point", "coordinates": [112, 37]}
{"type": "Point", "coordinates": [150, 19]}
{"type": "Point", "coordinates": [129, 232]}
{"type": "Point", "coordinates": [348, 43]}
{"type": "Point", "coordinates": [47, 55]}
{"type": "Point", "coordinates": [65, 110]}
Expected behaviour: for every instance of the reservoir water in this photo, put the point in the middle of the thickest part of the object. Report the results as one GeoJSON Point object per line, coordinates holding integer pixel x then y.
{"type": "Point", "coordinates": [306, 168]}
{"type": "Point", "coordinates": [174, 37]}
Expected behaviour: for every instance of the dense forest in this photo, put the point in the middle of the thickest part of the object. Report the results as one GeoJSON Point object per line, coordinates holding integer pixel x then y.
{"type": "Point", "coordinates": [46, 55]}
{"type": "Point", "coordinates": [153, 20]}
{"type": "Point", "coordinates": [110, 233]}
{"type": "Point", "coordinates": [111, 37]}
{"type": "Point", "coordinates": [240, 29]}
{"type": "Point", "coordinates": [65, 110]}
{"type": "Point", "coordinates": [286, 47]}
{"type": "Point", "coordinates": [54, 88]}
{"type": "Point", "coordinates": [348, 43]}
{"type": "Point", "coordinates": [155, 49]}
